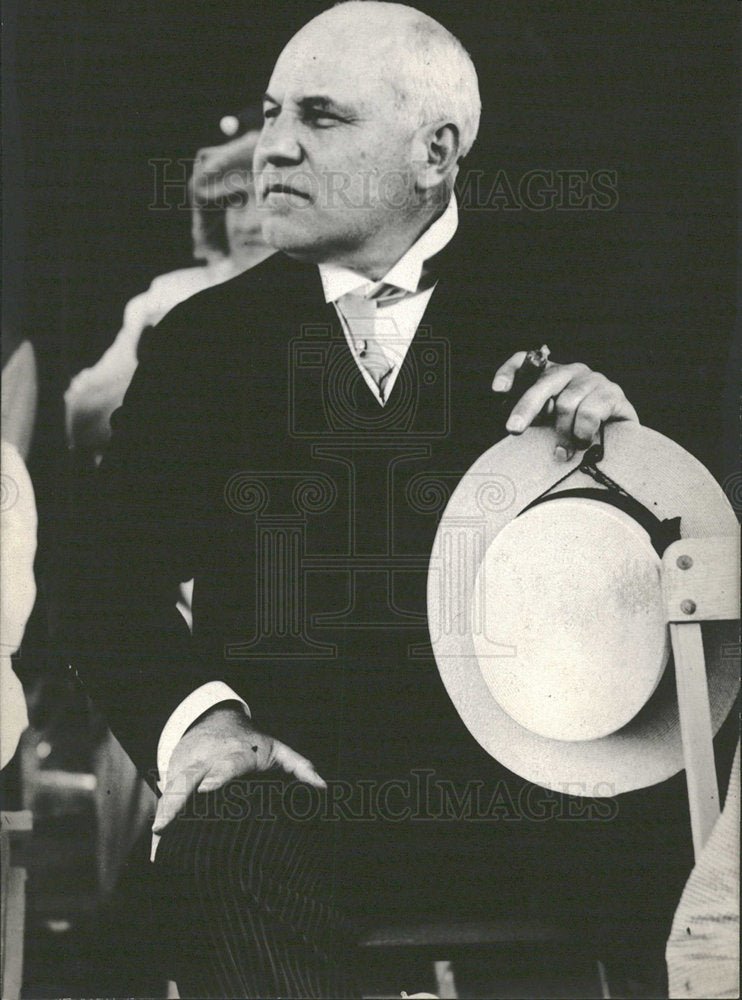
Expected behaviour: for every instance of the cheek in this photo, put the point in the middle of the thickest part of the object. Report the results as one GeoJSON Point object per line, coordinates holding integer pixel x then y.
{"type": "Point", "coordinates": [390, 174]}
{"type": "Point", "coordinates": [390, 188]}
{"type": "Point", "coordinates": [350, 182]}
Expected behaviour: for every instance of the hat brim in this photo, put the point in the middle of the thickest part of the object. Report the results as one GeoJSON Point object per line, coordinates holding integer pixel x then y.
{"type": "Point", "coordinates": [504, 480]}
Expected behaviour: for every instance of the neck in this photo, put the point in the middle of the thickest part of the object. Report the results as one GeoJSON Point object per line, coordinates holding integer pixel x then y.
{"type": "Point", "coordinates": [377, 257]}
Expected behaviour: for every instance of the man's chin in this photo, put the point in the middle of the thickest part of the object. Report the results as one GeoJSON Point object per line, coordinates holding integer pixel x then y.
{"type": "Point", "coordinates": [284, 236]}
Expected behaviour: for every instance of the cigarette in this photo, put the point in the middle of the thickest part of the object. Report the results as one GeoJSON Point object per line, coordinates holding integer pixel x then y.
{"type": "Point", "coordinates": [534, 365]}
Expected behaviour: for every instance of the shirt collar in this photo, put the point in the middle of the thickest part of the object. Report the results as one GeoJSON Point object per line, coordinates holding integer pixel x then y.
{"type": "Point", "coordinates": [406, 273]}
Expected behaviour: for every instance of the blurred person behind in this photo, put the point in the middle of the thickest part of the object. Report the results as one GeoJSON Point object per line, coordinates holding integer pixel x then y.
{"type": "Point", "coordinates": [17, 548]}
{"type": "Point", "coordinates": [227, 237]}
{"type": "Point", "coordinates": [18, 524]}
{"type": "Point", "coordinates": [19, 389]}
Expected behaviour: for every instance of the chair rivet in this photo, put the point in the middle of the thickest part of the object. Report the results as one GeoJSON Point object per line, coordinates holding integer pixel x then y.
{"type": "Point", "coordinates": [688, 607]}
{"type": "Point", "coordinates": [684, 562]}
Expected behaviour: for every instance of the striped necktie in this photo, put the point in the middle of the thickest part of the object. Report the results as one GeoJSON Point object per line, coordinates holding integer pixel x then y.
{"type": "Point", "coordinates": [364, 317]}
{"type": "Point", "coordinates": [361, 314]}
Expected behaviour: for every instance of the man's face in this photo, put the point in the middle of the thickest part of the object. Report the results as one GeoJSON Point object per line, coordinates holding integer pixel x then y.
{"type": "Point", "coordinates": [333, 164]}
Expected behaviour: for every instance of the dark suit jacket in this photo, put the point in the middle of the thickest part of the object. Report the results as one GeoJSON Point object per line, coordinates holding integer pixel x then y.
{"type": "Point", "coordinates": [250, 455]}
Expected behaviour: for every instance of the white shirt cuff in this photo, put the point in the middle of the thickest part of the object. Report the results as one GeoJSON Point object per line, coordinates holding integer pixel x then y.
{"type": "Point", "coordinates": [190, 709]}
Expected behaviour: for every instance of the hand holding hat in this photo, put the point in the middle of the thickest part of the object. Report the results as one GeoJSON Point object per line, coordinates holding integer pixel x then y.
{"type": "Point", "coordinates": [547, 618]}
{"type": "Point", "coordinates": [580, 399]}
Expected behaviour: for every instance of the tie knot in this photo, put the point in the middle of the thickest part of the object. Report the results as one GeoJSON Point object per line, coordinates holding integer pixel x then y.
{"type": "Point", "coordinates": [367, 298]}
{"type": "Point", "coordinates": [385, 294]}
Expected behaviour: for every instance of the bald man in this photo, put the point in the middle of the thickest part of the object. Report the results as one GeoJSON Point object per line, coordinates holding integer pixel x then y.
{"type": "Point", "coordinates": [313, 773]}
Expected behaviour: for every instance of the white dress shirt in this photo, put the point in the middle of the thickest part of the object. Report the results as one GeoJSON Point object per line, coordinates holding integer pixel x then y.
{"type": "Point", "coordinates": [405, 314]}
{"type": "Point", "coordinates": [397, 323]}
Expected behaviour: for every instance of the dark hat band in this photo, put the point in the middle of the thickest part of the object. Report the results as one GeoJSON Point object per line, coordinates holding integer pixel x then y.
{"type": "Point", "coordinates": [661, 533]}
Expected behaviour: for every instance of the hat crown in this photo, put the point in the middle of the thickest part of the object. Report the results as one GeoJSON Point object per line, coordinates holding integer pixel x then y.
{"type": "Point", "coordinates": [573, 590]}
{"type": "Point", "coordinates": [499, 486]}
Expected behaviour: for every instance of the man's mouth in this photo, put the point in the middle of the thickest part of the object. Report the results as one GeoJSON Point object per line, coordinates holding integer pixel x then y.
{"type": "Point", "coordinates": [283, 189]}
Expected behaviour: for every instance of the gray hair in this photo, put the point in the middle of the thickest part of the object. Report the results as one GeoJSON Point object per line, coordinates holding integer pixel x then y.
{"type": "Point", "coordinates": [437, 80]}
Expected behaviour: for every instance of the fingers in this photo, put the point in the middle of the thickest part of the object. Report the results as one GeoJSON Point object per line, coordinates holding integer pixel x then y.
{"type": "Point", "coordinates": [179, 788]}
{"type": "Point", "coordinates": [598, 406]}
{"type": "Point", "coordinates": [583, 407]}
{"type": "Point", "coordinates": [579, 399]}
{"type": "Point", "coordinates": [578, 413]}
{"type": "Point", "coordinates": [549, 386]}
{"type": "Point", "coordinates": [213, 767]}
{"type": "Point", "coordinates": [292, 763]}
{"type": "Point", "coordinates": [505, 374]}
{"type": "Point", "coordinates": [624, 410]}
{"type": "Point", "coordinates": [232, 765]}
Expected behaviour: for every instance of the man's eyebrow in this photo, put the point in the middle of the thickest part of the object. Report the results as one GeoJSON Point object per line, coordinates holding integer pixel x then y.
{"type": "Point", "coordinates": [323, 103]}
{"type": "Point", "coordinates": [316, 102]}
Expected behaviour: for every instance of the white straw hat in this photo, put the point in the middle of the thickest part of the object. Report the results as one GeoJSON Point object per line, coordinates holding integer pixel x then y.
{"type": "Point", "coordinates": [548, 623]}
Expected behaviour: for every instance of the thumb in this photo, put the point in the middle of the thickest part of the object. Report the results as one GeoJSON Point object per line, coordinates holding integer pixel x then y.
{"type": "Point", "coordinates": [175, 795]}
{"type": "Point", "coordinates": [293, 763]}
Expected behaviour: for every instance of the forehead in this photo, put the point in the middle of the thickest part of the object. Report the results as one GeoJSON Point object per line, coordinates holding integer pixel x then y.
{"type": "Point", "coordinates": [342, 66]}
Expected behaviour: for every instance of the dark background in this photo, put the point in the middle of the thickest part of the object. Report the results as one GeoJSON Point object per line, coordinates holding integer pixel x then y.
{"type": "Point", "coordinates": [94, 91]}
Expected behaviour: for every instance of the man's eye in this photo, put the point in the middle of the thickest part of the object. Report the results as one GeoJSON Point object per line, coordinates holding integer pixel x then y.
{"type": "Point", "coordinates": [270, 113]}
{"type": "Point", "coordinates": [323, 119]}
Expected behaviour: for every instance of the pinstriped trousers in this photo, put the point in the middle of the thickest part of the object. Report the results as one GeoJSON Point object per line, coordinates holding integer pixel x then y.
{"type": "Point", "coordinates": [253, 901]}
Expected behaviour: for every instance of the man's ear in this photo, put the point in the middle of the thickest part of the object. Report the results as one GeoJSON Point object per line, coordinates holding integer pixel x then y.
{"type": "Point", "coordinates": [436, 153]}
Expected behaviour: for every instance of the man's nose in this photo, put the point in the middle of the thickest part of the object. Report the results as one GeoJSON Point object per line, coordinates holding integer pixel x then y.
{"type": "Point", "coordinates": [279, 144]}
